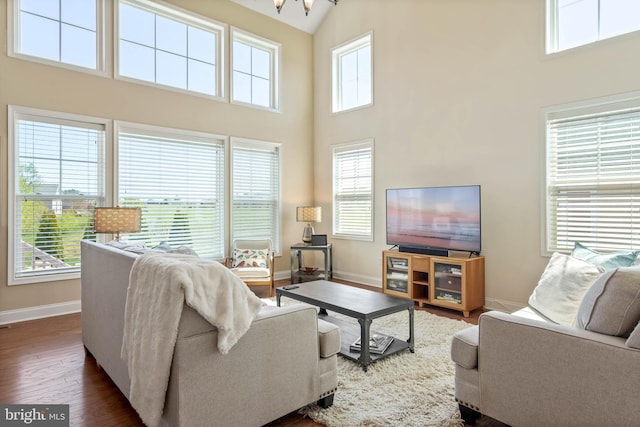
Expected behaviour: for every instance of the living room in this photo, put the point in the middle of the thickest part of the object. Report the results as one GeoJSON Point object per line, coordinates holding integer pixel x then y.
{"type": "Point", "coordinates": [444, 81]}
{"type": "Point", "coordinates": [459, 97]}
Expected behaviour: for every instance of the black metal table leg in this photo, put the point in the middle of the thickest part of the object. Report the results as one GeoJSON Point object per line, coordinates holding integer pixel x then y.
{"type": "Point", "coordinates": [365, 356]}
{"type": "Point", "coordinates": [411, 336]}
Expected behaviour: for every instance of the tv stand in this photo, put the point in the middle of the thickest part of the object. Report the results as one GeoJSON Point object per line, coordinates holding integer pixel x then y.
{"type": "Point", "coordinates": [424, 251]}
{"type": "Point", "coordinates": [451, 282]}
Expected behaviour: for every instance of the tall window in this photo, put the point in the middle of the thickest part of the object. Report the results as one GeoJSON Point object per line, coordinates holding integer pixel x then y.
{"type": "Point", "coordinates": [593, 177]}
{"type": "Point", "coordinates": [353, 190]}
{"type": "Point", "coordinates": [177, 178]}
{"type": "Point", "coordinates": [572, 23]}
{"type": "Point", "coordinates": [255, 70]}
{"type": "Point", "coordinates": [352, 74]}
{"type": "Point", "coordinates": [62, 32]}
{"type": "Point", "coordinates": [161, 44]}
{"type": "Point", "coordinates": [56, 179]}
{"type": "Point", "coordinates": [255, 190]}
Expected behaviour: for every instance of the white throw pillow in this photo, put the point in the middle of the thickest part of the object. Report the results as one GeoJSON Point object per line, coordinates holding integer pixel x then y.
{"type": "Point", "coordinates": [561, 288]}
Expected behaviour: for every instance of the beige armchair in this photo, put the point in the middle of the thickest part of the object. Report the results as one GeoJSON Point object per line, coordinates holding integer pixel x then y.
{"type": "Point", "coordinates": [252, 261]}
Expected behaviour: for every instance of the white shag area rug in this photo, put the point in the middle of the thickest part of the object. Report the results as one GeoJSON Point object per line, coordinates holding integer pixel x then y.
{"type": "Point", "coordinates": [405, 389]}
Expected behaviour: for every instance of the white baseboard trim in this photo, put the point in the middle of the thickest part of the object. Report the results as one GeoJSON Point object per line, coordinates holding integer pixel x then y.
{"type": "Point", "coordinates": [39, 312]}
{"type": "Point", "coordinates": [281, 275]}
{"type": "Point", "coordinates": [376, 282]}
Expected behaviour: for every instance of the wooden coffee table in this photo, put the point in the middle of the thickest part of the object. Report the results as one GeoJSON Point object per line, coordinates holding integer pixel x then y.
{"type": "Point", "coordinates": [360, 304]}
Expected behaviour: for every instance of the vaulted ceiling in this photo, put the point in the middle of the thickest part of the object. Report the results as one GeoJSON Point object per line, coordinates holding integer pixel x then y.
{"type": "Point", "coordinates": [292, 12]}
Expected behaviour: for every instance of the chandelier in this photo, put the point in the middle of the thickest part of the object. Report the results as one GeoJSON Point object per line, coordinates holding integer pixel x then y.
{"type": "Point", "coordinates": [307, 4]}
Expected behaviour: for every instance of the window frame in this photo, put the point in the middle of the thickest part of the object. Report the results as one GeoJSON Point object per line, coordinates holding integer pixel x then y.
{"type": "Point", "coordinates": [15, 114]}
{"type": "Point", "coordinates": [275, 53]}
{"type": "Point", "coordinates": [604, 108]}
{"type": "Point", "coordinates": [337, 53]}
{"type": "Point", "coordinates": [552, 31]}
{"type": "Point", "coordinates": [174, 13]}
{"type": "Point", "coordinates": [276, 230]}
{"type": "Point", "coordinates": [103, 30]}
{"type": "Point", "coordinates": [366, 144]}
{"type": "Point", "coordinates": [150, 131]}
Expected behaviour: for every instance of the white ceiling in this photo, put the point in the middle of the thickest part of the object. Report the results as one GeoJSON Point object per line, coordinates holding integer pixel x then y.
{"type": "Point", "coordinates": [292, 12]}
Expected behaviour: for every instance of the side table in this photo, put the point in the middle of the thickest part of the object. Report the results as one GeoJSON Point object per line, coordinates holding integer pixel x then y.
{"type": "Point", "coordinates": [298, 275]}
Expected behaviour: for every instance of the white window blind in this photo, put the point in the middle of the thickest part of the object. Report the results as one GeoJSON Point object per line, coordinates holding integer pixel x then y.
{"type": "Point", "coordinates": [59, 31]}
{"type": "Point", "coordinates": [178, 181]}
{"type": "Point", "coordinates": [593, 180]}
{"type": "Point", "coordinates": [255, 206]}
{"type": "Point", "coordinates": [58, 179]}
{"type": "Point", "coordinates": [353, 190]}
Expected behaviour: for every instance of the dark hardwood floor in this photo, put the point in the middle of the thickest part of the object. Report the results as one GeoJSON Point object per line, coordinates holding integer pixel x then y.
{"type": "Point", "coordinates": [43, 362]}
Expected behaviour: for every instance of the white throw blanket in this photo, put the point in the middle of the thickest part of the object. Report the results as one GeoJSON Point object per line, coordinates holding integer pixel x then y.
{"type": "Point", "coordinates": [159, 285]}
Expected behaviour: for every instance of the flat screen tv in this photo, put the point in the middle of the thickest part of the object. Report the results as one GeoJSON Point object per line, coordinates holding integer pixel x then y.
{"type": "Point", "coordinates": [434, 220]}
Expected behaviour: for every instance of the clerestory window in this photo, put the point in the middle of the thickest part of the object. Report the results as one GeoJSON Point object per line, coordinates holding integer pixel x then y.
{"type": "Point", "coordinates": [572, 23]}
{"type": "Point", "coordinates": [164, 45]}
{"type": "Point", "coordinates": [59, 32]}
{"type": "Point", "coordinates": [352, 74]}
{"type": "Point", "coordinates": [255, 70]}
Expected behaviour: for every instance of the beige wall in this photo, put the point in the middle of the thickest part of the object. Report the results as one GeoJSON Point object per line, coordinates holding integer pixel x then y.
{"type": "Point", "coordinates": [30, 84]}
{"type": "Point", "coordinates": [459, 90]}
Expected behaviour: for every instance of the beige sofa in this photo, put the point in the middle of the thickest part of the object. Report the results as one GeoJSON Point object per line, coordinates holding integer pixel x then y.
{"type": "Point", "coordinates": [524, 369]}
{"type": "Point", "coordinates": [286, 360]}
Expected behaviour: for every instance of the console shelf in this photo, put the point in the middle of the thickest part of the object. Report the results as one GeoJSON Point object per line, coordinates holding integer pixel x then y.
{"type": "Point", "coordinates": [451, 282]}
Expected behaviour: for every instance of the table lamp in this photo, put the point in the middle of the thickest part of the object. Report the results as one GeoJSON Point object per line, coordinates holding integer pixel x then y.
{"type": "Point", "coordinates": [308, 214]}
{"type": "Point", "coordinates": [117, 220]}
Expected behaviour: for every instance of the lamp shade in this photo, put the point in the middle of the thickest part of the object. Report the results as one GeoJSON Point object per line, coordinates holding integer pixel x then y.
{"type": "Point", "coordinates": [309, 214]}
{"type": "Point", "coordinates": [117, 220]}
